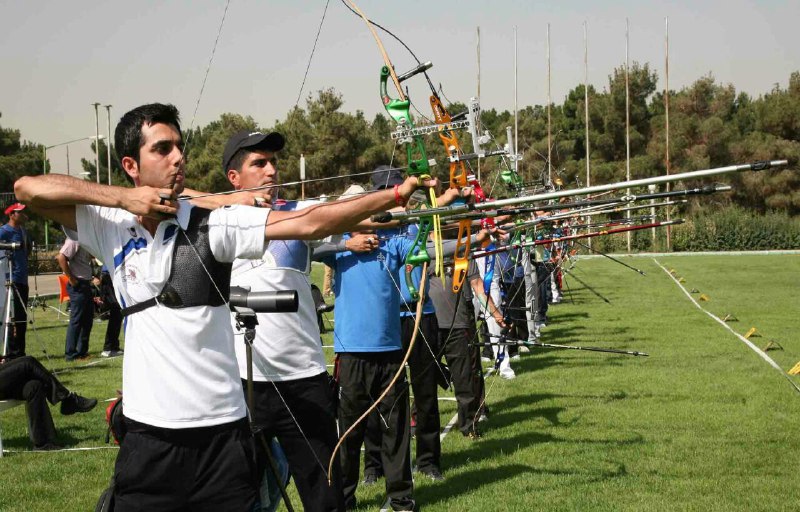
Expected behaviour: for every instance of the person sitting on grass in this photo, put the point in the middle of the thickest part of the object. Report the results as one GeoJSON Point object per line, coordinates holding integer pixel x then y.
{"type": "Point", "coordinates": [25, 378]}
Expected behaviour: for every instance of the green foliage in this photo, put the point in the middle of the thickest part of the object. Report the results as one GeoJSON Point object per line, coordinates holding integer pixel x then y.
{"type": "Point", "coordinates": [736, 229]}
{"type": "Point", "coordinates": [118, 175]}
{"type": "Point", "coordinates": [204, 148]}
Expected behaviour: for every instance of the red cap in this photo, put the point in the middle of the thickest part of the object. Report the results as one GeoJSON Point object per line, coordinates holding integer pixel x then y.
{"type": "Point", "coordinates": [16, 207]}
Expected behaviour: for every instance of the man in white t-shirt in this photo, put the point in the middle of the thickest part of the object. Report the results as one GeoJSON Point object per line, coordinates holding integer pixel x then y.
{"type": "Point", "coordinates": [188, 444]}
{"type": "Point", "coordinates": [292, 394]}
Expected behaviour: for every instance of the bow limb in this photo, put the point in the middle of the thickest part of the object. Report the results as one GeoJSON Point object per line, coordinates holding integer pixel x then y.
{"type": "Point", "coordinates": [382, 49]}
{"type": "Point", "coordinates": [400, 371]}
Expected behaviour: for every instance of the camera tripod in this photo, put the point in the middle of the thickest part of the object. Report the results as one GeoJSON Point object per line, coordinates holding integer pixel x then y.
{"type": "Point", "coordinates": [246, 319]}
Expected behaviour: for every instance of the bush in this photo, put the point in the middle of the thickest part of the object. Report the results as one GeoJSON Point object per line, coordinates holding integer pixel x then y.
{"type": "Point", "coordinates": [736, 229]}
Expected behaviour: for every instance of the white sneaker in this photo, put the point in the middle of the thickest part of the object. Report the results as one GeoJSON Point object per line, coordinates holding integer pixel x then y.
{"type": "Point", "coordinates": [516, 357]}
{"type": "Point", "coordinates": [485, 359]}
{"type": "Point", "coordinates": [111, 353]}
{"type": "Point", "coordinates": [508, 374]}
{"type": "Point", "coordinates": [523, 349]}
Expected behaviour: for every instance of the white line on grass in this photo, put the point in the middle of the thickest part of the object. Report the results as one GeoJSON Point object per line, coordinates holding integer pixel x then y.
{"type": "Point", "coordinates": [87, 449]}
{"type": "Point", "coordinates": [747, 342]}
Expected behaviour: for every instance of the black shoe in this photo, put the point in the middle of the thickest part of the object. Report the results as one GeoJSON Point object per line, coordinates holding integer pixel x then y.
{"type": "Point", "coordinates": [76, 403]}
{"type": "Point", "coordinates": [47, 447]}
{"type": "Point", "coordinates": [433, 473]}
{"type": "Point", "coordinates": [473, 435]}
{"type": "Point", "coordinates": [370, 479]}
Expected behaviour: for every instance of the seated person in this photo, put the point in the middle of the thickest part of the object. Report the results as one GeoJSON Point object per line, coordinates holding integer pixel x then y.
{"type": "Point", "coordinates": [26, 379]}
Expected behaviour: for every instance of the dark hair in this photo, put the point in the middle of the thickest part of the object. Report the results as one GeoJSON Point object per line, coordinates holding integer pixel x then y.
{"type": "Point", "coordinates": [238, 158]}
{"type": "Point", "coordinates": [128, 137]}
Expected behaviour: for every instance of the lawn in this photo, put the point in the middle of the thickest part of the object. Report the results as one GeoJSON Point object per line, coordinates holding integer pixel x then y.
{"type": "Point", "coordinates": [701, 424]}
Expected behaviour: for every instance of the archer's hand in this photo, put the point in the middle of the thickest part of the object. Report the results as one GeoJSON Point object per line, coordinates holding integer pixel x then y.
{"type": "Point", "coordinates": [258, 199]}
{"type": "Point", "coordinates": [412, 183]}
{"type": "Point", "coordinates": [155, 203]}
{"type": "Point", "coordinates": [451, 194]}
{"type": "Point", "coordinates": [485, 233]}
{"type": "Point", "coordinates": [362, 242]}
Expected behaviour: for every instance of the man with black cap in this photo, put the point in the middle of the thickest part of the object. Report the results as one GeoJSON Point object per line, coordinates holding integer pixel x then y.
{"type": "Point", "coordinates": [292, 395]}
{"type": "Point", "coordinates": [170, 262]}
{"type": "Point", "coordinates": [14, 232]}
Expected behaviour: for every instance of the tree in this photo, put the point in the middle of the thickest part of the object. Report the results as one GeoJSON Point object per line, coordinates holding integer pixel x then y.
{"type": "Point", "coordinates": [118, 175]}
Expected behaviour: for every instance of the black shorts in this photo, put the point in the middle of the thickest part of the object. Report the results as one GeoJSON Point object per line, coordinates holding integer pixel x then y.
{"type": "Point", "coordinates": [194, 469]}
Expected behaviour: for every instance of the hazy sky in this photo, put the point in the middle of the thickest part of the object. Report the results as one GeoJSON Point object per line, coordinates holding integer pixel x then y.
{"type": "Point", "coordinates": [58, 57]}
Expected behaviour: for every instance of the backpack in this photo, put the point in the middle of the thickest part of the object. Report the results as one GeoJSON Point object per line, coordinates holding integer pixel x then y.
{"type": "Point", "coordinates": [116, 423]}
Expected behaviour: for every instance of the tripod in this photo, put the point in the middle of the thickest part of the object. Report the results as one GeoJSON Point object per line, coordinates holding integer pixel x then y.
{"type": "Point", "coordinates": [246, 319]}
{"type": "Point", "coordinates": [8, 299]}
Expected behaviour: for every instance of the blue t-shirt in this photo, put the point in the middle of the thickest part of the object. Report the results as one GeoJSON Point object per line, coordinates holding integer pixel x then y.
{"type": "Point", "coordinates": [367, 315]}
{"type": "Point", "coordinates": [19, 258]}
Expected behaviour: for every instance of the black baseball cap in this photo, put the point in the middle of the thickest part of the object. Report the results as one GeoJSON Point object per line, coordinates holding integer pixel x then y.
{"type": "Point", "coordinates": [247, 139]}
{"type": "Point", "coordinates": [385, 177]}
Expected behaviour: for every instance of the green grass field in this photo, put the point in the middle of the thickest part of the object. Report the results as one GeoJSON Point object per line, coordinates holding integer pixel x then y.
{"type": "Point", "coordinates": [702, 424]}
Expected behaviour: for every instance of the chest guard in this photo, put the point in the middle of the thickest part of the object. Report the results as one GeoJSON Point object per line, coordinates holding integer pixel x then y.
{"type": "Point", "coordinates": [189, 283]}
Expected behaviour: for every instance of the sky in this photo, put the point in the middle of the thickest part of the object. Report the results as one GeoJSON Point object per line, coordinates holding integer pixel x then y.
{"type": "Point", "coordinates": [60, 57]}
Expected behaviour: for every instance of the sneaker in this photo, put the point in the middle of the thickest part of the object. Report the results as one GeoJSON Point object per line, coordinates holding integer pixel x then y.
{"type": "Point", "coordinates": [434, 474]}
{"type": "Point", "coordinates": [76, 403]}
{"type": "Point", "coordinates": [516, 357]}
{"type": "Point", "coordinates": [370, 479]}
{"type": "Point", "coordinates": [508, 374]}
{"type": "Point", "coordinates": [523, 349]}
{"type": "Point", "coordinates": [48, 447]}
{"type": "Point", "coordinates": [483, 417]}
{"type": "Point", "coordinates": [111, 353]}
{"type": "Point", "coordinates": [486, 359]}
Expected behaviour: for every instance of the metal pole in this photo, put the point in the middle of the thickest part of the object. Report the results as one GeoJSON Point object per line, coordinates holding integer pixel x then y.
{"type": "Point", "coordinates": [44, 171]}
{"type": "Point", "coordinates": [478, 120]}
{"type": "Point", "coordinates": [586, 103]}
{"type": "Point", "coordinates": [627, 124]}
{"type": "Point", "coordinates": [666, 117]}
{"type": "Point", "coordinates": [516, 121]}
{"type": "Point", "coordinates": [67, 148]}
{"type": "Point", "coordinates": [302, 177]}
{"type": "Point", "coordinates": [97, 141]}
{"type": "Point", "coordinates": [549, 144]}
{"type": "Point", "coordinates": [108, 143]}
{"type": "Point", "coordinates": [478, 49]}
{"type": "Point", "coordinates": [652, 189]}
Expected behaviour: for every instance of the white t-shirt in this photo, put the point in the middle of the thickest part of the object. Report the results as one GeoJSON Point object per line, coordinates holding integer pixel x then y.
{"type": "Point", "coordinates": [179, 369]}
{"type": "Point", "coordinates": [287, 345]}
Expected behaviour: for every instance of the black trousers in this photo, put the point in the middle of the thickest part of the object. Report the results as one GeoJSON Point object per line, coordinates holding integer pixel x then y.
{"type": "Point", "coordinates": [515, 298]}
{"type": "Point", "coordinates": [24, 378]}
{"type": "Point", "coordinates": [467, 373]}
{"type": "Point", "coordinates": [113, 328]}
{"type": "Point", "coordinates": [362, 377]}
{"type": "Point", "coordinates": [308, 402]}
{"type": "Point", "coordinates": [186, 470]}
{"type": "Point", "coordinates": [372, 445]}
{"type": "Point", "coordinates": [425, 374]}
{"type": "Point", "coordinates": [16, 339]}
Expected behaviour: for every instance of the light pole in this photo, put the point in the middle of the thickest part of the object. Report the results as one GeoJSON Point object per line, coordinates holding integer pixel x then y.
{"type": "Point", "coordinates": [108, 142]}
{"type": "Point", "coordinates": [97, 144]}
{"type": "Point", "coordinates": [45, 148]}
